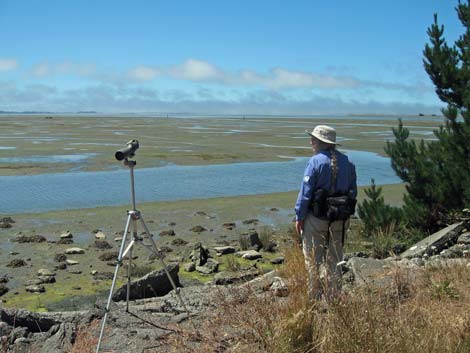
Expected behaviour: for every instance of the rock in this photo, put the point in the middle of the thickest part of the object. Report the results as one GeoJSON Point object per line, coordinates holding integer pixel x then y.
{"type": "Point", "coordinates": [190, 267]}
{"type": "Point", "coordinates": [172, 224]}
{"type": "Point", "coordinates": [178, 241]}
{"type": "Point", "coordinates": [274, 209]}
{"type": "Point", "coordinates": [4, 278]}
{"type": "Point", "coordinates": [223, 250]}
{"type": "Point", "coordinates": [464, 238]}
{"type": "Point", "coordinates": [211, 266]}
{"type": "Point", "coordinates": [60, 257]}
{"type": "Point", "coordinates": [252, 239]}
{"type": "Point", "coordinates": [251, 221]}
{"type": "Point", "coordinates": [65, 241]}
{"type": "Point", "coordinates": [62, 337]}
{"type": "Point", "coordinates": [436, 242]}
{"type": "Point", "coordinates": [74, 251]}
{"type": "Point", "coordinates": [102, 244]}
{"type": "Point", "coordinates": [372, 271]}
{"type": "Point", "coordinates": [61, 266]}
{"type": "Point", "coordinates": [35, 289]}
{"type": "Point", "coordinates": [3, 289]}
{"type": "Point", "coordinates": [279, 287]}
{"type": "Point", "coordinates": [225, 277]}
{"type": "Point", "coordinates": [169, 232]}
{"type": "Point", "coordinates": [154, 284]}
{"type": "Point", "coordinates": [5, 225]}
{"type": "Point", "coordinates": [229, 225]}
{"type": "Point", "coordinates": [200, 213]}
{"type": "Point", "coordinates": [34, 282]}
{"type": "Point", "coordinates": [29, 238]}
{"type": "Point", "coordinates": [102, 276]}
{"type": "Point", "coordinates": [16, 263]}
{"type": "Point", "coordinates": [100, 235]}
{"type": "Point", "coordinates": [7, 220]}
{"type": "Point", "coordinates": [250, 254]}
{"type": "Point", "coordinates": [45, 272]}
{"type": "Point", "coordinates": [453, 252]}
{"type": "Point", "coordinates": [66, 235]}
{"type": "Point", "coordinates": [108, 256]}
{"type": "Point", "coordinates": [71, 262]}
{"type": "Point", "coordinates": [198, 229]}
{"type": "Point", "coordinates": [47, 279]}
{"type": "Point", "coordinates": [199, 255]}
{"type": "Point", "coordinates": [278, 260]}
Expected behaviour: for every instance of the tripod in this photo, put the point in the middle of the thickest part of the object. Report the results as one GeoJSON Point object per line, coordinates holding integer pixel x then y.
{"type": "Point", "coordinates": [133, 216]}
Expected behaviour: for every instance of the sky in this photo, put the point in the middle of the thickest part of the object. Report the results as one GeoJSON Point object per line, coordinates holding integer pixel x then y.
{"type": "Point", "coordinates": [220, 56]}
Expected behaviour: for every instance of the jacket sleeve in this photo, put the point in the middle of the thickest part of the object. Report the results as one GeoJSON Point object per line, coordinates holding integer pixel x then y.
{"type": "Point", "coordinates": [353, 181]}
{"type": "Point", "coordinates": [305, 193]}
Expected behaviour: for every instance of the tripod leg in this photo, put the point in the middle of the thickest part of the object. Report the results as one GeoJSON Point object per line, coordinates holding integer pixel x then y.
{"type": "Point", "coordinates": [129, 267]}
{"type": "Point", "coordinates": [119, 263]}
{"type": "Point", "coordinates": [159, 255]}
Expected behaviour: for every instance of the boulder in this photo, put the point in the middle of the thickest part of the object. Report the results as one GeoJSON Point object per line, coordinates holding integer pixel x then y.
{"type": "Point", "coordinates": [46, 279]}
{"type": "Point", "coordinates": [16, 263]}
{"type": "Point", "coordinates": [74, 251]}
{"type": "Point", "coordinates": [223, 250]}
{"type": "Point", "coordinates": [168, 232]}
{"type": "Point", "coordinates": [102, 244]}
{"type": "Point", "coordinates": [229, 225]}
{"type": "Point", "coordinates": [279, 287]}
{"type": "Point", "coordinates": [100, 235]}
{"type": "Point", "coordinates": [71, 262]}
{"type": "Point", "coordinates": [211, 266]}
{"type": "Point", "coordinates": [60, 257]}
{"type": "Point", "coordinates": [252, 239]}
{"type": "Point", "coordinates": [464, 238]}
{"type": "Point", "coordinates": [108, 256]}
{"type": "Point", "coordinates": [30, 238]}
{"type": "Point", "coordinates": [65, 241]}
{"type": "Point", "coordinates": [45, 272]}
{"type": "Point", "coordinates": [66, 235]}
{"type": "Point", "coordinates": [225, 277]}
{"type": "Point", "coordinates": [199, 255]}
{"type": "Point", "coordinates": [3, 289]}
{"type": "Point", "coordinates": [436, 242]}
{"type": "Point", "coordinates": [35, 289]}
{"type": "Point", "coordinates": [178, 241]}
{"type": "Point", "coordinates": [249, 254]}
{"type": "Point", "coordinates": [278, 260]}
{"type": "Point", "coordinates": [198, 229]}
{"type": "Point", "coordinates": [154, 284]}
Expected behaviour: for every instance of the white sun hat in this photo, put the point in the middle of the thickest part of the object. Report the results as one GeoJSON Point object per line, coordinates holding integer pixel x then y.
{"type": "Point", "coordinates": [324, 133]}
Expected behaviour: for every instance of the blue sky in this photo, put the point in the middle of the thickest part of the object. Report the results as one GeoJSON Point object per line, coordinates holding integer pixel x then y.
{"type": "Point", "coordinates": [219, 57]}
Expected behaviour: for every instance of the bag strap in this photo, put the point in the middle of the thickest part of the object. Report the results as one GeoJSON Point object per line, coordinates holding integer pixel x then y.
{"type": "Point", "coordinates": [334, 171]}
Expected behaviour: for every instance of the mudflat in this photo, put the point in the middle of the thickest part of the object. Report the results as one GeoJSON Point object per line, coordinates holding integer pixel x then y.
{"type": "Point", "coordinates": [50, 144]}
{"type": "Point", "coordinates": [41, 144]}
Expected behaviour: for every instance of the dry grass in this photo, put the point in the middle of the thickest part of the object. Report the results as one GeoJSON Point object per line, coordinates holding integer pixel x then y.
{"type": "Point", "coordinates": [426, 312]}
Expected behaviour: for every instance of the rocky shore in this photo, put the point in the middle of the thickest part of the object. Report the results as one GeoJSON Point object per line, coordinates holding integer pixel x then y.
{"type": "Point", "coordinates": [156, 315]}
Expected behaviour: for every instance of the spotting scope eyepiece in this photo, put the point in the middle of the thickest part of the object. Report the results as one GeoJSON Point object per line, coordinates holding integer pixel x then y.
{"type": "Point", "coordinates": [128, 151]}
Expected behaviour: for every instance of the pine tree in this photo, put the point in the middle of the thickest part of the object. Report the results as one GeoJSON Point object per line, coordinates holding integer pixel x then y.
{"type": "Point", "coordinates": [375, 214]}
{"type": "Point", "coordinates": [437, 173]}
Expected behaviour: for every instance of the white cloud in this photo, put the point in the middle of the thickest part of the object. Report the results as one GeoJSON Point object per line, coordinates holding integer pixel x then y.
{"type": "Point", "coordinates": [8, 64]}
{"type": "Point", "coordinates": [197, 70]}
{"type": "Point", "coordinates": [63, 68]}
{"type": "Point", "coordinates": [143, 73]}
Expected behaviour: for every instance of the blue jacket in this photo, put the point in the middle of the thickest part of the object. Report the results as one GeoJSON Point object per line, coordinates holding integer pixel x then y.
{"type": "Point", "coordinates": [317, 175]}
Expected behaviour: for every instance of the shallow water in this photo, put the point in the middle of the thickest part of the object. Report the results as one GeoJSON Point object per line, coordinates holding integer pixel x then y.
{"type": "Point", "coordinates": [45, 192]}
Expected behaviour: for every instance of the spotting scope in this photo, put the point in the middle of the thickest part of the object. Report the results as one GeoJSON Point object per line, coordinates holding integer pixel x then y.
{"type": "Point", "coordinates": [128, 151]}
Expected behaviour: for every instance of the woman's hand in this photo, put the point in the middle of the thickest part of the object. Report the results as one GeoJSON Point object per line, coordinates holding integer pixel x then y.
{"type": "Point", "coordinates": [299, 227]}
